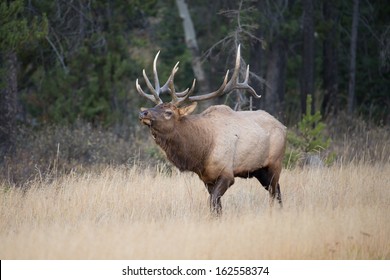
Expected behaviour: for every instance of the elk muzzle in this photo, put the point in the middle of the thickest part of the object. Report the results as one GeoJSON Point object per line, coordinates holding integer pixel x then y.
{"type": "Point", "coordinates": [145, 117]}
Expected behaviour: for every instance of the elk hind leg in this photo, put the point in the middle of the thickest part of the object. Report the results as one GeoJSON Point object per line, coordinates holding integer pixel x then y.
{"type": "Point", "coordinates": [274, 190]}
{"type": "Point", "coordinates": [278, 195]}
{"type": "Point", "coordinates": [262, 175]}
{"type": "Point", "coordinates": [269, 178]}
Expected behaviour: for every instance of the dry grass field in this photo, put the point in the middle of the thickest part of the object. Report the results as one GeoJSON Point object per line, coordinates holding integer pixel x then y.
{"type": "Point", "coordinates": [339, 212]}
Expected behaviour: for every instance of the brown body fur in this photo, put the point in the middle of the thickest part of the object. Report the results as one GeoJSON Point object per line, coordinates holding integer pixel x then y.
{"type": "Point", "coordinates": [220, 144]}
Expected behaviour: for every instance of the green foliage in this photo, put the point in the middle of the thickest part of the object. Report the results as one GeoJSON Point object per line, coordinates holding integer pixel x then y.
{"type": "Point", "coordinates": [95, 87]}
{"type": "Point", "coordinates": [76, 58]}
{"type": "Point", "coordinates": [17, 30]}
{"type": "Point", "coordinates": [308, 138]}
{"type": "Point", "coordinates": [86, 71]}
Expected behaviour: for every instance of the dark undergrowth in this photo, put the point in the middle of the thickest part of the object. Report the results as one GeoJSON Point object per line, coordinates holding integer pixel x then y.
{"type": "Point", "coordinates": [52, 151]}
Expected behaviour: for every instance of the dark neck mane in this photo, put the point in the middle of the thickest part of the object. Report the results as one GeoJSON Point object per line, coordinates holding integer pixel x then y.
{"type": "Point", "coordinates": [188, 146]}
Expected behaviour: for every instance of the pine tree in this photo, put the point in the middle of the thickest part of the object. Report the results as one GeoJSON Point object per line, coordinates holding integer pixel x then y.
{"type": "Point", "coordinates": [16, 32]}
{"type": "Point", "coordinates": [308, 138]}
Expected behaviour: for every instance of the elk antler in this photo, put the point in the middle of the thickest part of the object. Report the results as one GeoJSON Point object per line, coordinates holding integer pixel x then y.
{"type": "Point", "coordinates": [180, 97]}
{"type": "Point", "coordinates": [177, 97]}
{"type": "Point", "coordinates": [231, 85]}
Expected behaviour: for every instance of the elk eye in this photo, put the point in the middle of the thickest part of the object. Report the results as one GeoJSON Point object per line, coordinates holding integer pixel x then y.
{"type": "Point", "coordinates": [168, 114]}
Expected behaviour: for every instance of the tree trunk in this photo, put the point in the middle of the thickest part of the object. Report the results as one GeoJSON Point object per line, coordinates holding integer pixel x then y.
{"type": "Point", "coordinates": [8, 104]}
{"type": "Point", "coordinates": [190, 38]}
{"type": "Point", "coordinates": [330, 59]}
{"type": "Point", "coordinates": [308, 56]}
{"type": "Point", "coordinates": [257, 66]}
{"type": "Point", "coordinates": [276, 76]}
{"type": "Point", "coordinates": [352, 64]}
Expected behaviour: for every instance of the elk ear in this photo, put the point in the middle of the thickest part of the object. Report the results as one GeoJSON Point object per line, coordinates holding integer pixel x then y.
{"type": "Point", "coordinates": [188, 109]}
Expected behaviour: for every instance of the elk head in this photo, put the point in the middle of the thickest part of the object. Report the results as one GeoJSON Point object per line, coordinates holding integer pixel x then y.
{"type": "Point", "coordinates": [163, 115]}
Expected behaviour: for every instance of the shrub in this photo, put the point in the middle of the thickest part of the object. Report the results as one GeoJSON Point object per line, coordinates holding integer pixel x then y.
{"type": "Point", "coordinates": [307, 140]}
{"type": "Point", "coordinates": [54, 150]}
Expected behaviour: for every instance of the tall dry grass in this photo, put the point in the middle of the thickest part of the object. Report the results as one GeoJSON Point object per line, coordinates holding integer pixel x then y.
{"type": "Point", "coordinates": [340, 212]}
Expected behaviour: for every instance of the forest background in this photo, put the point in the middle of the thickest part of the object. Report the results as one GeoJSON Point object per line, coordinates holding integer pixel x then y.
{"type": "Point", "coordinates": [68, 71]}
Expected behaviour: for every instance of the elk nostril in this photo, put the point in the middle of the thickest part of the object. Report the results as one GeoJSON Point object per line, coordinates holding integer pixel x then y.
{"type": "Point", "coordinates": [143, 114]}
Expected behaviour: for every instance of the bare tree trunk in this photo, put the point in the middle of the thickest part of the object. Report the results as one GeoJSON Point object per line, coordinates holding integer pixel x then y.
{"type": "Point", "coordinates": [308, 55]}
{"type": "Point", "coordinates": [190, 38]}
{"type": "Point", "coordinates": [257, 63]}
{"type": "Point", "coordinates": [8, 104]}
{"type": "Point", "coordinates": [276, 76]}
{"type": "Point", "coordinates": [330, 58]}
{"type": "Point", "coordinates": [352, 65]}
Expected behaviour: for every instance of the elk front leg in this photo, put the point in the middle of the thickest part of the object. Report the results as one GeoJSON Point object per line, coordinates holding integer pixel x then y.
{"type": "Point", "coordinates": [216, 191]}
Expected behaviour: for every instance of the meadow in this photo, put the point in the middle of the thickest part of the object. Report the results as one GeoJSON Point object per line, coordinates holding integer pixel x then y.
{"type": "Point", "coordinates": [129, 212]}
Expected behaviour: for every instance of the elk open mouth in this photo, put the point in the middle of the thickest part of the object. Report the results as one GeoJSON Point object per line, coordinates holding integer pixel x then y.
{"type": "Point", "coordinates": [145, 121]}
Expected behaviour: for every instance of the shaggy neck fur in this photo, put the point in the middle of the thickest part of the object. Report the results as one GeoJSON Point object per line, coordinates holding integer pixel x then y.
{"type": "Point", "coordinates": [187, 146]}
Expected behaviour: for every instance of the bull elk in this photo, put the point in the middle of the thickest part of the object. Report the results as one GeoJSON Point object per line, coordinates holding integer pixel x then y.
{"type": "Point", "coordinates": [218, 144]}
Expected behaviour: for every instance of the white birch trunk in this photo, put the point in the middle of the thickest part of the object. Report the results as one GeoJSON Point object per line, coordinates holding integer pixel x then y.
{"type": "Point", "coordinates": [190, 38]}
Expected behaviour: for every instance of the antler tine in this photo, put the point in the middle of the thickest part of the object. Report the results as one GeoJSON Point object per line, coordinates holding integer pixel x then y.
{"type": "Point", "coordinates": [184, 95]}
{"type": "Point", "coordinates": [246, 86]}
{"type": "Point", "coordinates": [171, 84]}
{"type": "Point", "coordinates": [178, 97]}
{"type": "Point", "coordinates": [150, 87]}
{"type": "Point", "coordinates": [156, 80]}
{"type": "Point", "coordinates": [233, 83]}
{"type": "Point", "coordinates": [234, 79]}
{"type": "Point", "coordinates": [226, 85]}
{"type": "Point", "coordinates": [155, 96]}
{"type": "Point", "coordinates": [187, 92]}
{"type": "Point", "coordinates": [165, 87]}
{"type": "Point", "coordinates": [216, 93]}
{"type": "Point", "coordinates": [144, 94]}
